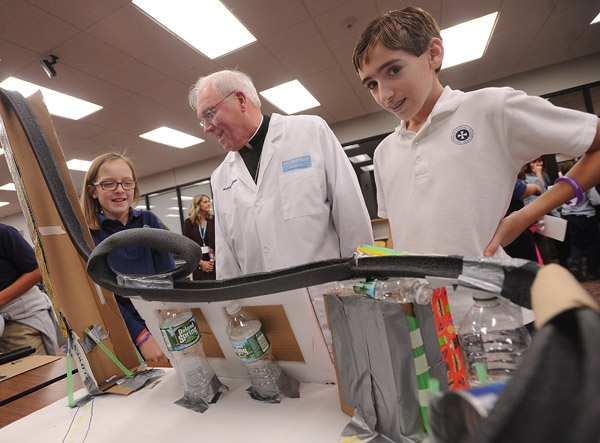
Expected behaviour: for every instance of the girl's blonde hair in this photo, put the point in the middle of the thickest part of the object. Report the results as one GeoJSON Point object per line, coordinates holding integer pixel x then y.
{"type": "Point", "coordinates": [194, 212]}
{"type": "Point", "coordinates": [91, 206]}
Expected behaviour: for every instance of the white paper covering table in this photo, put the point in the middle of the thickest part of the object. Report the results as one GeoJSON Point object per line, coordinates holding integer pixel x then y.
{"type": "Point", "coordinates": [150, 415]}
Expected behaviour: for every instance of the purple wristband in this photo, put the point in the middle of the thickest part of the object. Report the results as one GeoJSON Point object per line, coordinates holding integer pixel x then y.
{"type": "Point", "coordinates": [576, 187]}
{"type": "Point", "coordinates": [144, 339]}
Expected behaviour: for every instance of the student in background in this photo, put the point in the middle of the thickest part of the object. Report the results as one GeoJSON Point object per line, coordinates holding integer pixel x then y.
{"type": "Point", "coordinates": [109, 191]}
{"type": "Point", "coordinates": [433, 205]}
{"type": "Point", "coordinates": [200, 227]}
{"type": "Point", "coordinates": [584, 235]}
{"type": "Point", "coordinates": [26, 314]}
{"type": "Point", "coordinates": [548, 247]}
{"type": "Point", "coordinates": [524, 245]}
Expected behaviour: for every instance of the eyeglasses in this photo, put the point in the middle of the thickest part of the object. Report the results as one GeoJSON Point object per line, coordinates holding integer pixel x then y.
{"type": "Point", "coordinates": [112, 186]}
{"type": "Point", "coordinates": [210, 114]}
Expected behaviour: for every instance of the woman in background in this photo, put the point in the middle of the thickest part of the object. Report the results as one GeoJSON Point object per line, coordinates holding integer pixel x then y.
{"type": "Point", "coordinates": [109, 191]}
{"type": "Point", "coordinates": [200, 227]}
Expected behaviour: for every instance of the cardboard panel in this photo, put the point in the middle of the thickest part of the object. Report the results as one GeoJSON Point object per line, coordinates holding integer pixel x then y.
{"type": "Point", "coordinates": [289, 321]}
{"type": "Point", "coordinates": [276, 325]}
{"type": "Point", "coordinates": [73, 293]}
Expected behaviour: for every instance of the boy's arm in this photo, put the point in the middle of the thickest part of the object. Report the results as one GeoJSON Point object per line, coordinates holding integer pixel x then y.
{"type": "Point", "coordinates": [531, 189]}
{"type": "Point", "coordinates": [586, 171]}
{"type": "Point", "coordinates": [20, 286]}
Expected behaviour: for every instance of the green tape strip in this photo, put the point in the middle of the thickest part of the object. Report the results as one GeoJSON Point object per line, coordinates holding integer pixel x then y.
{"type": "Point", "coordinates": [110, 355]}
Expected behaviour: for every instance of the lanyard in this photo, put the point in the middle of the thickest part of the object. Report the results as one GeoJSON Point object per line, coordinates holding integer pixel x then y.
{"type": "Point", "coordinates": [203, 232]}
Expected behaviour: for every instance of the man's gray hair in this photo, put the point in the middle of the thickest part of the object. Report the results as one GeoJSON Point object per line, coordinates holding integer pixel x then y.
{"type": "Point", "coordinates": [225, 82]}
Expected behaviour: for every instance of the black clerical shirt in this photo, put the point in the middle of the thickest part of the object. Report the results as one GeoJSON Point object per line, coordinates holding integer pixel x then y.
{"type": "Point", "coordinates": [252, 150]}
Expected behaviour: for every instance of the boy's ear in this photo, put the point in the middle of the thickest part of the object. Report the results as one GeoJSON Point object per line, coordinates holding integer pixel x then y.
{"type": "Point", "coordinates": [436, 53]}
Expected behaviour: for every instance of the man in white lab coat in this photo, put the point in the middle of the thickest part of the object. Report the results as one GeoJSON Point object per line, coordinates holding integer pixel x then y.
{"type": "Point", "coordinates": [286, 193]}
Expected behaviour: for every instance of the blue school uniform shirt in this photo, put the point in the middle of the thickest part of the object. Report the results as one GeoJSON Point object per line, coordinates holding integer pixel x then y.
{"type": "Point", "coordinates": [16, 256]}
{"type": "Point", "coordinates": [133, 260]}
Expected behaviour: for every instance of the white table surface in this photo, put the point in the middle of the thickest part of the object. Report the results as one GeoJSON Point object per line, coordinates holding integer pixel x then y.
{"type": "Point", "coordinates": [150, 415]}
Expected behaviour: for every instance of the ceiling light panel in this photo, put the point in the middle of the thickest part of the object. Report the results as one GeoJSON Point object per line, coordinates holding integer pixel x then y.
{"type": "Point", "coordinates": [290, 97]}
{"type": "Point", "coordinates": [206, 25]}
{"type": "Point", "coordinates": [8, 187]}
{"type": "Point", "coordinates": [361, 158]}
{"type": "Point", "coordinates": [59, 104]}
{"type": "Point", "coordinates": [467, 41]}
{"type": "Point", "coordinates": [171, 137]}
{"type": "Point", "coordinates": [79, 165]}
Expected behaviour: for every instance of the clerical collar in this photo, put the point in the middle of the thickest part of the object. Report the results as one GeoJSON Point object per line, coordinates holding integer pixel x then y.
{"type": "Point", "coordinates": [252, 150]}
{"type": "Point", "coordinates": [258, 139]}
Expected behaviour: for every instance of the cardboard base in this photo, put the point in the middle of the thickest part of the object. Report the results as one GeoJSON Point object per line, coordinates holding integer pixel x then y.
{"type": "Point", "coordinates": [24, 364]}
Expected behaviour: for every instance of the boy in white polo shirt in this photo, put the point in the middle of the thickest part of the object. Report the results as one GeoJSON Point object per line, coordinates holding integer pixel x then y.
{"type": "Point", "coordinates": [445, 175]}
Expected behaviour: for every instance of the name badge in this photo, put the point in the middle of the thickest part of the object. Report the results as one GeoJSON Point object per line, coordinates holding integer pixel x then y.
{"type": "Point", "coordinates": [205, 249]}
{"type": "Point", "coordinates": [302, 162]}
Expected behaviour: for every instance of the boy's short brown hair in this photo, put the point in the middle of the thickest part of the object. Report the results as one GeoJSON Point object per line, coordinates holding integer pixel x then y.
{"type": "Point", "coordinates": [409, 29]}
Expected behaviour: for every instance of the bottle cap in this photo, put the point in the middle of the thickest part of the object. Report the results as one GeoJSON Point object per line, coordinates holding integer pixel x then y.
{"type": "Point", "coordinates": [233, 307]}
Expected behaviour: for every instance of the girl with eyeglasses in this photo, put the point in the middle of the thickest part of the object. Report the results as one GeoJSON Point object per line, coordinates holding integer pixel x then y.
{"type": "Point", "coordinates": [109, 192]}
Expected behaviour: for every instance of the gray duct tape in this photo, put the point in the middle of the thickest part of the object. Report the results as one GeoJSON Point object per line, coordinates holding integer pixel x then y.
{"type": "Point", "coordinates": [353, 374]}
{"type": "Point", "coordinates": [483, 274]}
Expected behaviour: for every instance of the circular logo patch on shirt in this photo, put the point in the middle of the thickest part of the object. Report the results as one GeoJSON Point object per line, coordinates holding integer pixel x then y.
{"type": "Point", "coordinates": [462, 135]}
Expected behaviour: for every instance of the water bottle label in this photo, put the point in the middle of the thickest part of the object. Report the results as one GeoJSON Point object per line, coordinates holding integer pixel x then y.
{"type": "Point", "coordinates": [253, 348]}
{"type": "Point", "coordinates": [181, 336]}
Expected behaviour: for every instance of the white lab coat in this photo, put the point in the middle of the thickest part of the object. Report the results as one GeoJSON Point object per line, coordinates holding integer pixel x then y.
{"type": "Point", "coordinates": [307, 205]}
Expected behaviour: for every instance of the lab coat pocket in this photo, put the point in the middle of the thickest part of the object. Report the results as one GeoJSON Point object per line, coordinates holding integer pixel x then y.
{"type": "Point", "coordinates": [300, 194]}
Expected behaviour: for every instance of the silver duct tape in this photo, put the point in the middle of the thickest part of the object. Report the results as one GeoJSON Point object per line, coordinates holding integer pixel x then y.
{"type": "Point", "coordinates": [355, 384]}
{"type": "Point", "coordinates": [161, 281]}
{"type": "Point", "coordinates": [485, 274]}
{"type": "Point", "coordinates": [375, 363]}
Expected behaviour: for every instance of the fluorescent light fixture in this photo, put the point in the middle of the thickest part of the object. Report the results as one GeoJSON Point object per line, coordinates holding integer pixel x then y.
{"type": "Point", "coordinates": [206, 25]}
{"type": "Point", "coordinates": [290, 97]}
{"type": "Point", "coordinates": [4, 204]}
{"type": "Point", "coordinates": [79, 165]}
{"type": "Point", "coordinates": [59, 104]}
{"type": "Point", "coordinates": [361, 158]}
{"type": "Point", "coordinates": [184, 198]}
{"type": "Point", "coordinates": [596, 20]}
{"type": "Point", "coordinates": [367, 168]}
{"type": "Point", "coordinates": [355, 145]}
{"type": "Point", "coordinates": [8, 187]}
{"type": "Point", "coordinates": [467, 41]}
{"type": "Point", "coordinates": [171, 137]}
{"type": "Point", "coordinates": [173, 208]}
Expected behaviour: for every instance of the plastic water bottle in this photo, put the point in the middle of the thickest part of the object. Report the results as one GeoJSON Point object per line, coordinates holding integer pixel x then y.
{"type": "Point", "coordinates": [252, 348]}
{"type": "Point", "coordinates": [492, 338]}
{"type": "Point", "coordinates": [401, 290]}
{"type": "Point", "coordinates": [183, 340]}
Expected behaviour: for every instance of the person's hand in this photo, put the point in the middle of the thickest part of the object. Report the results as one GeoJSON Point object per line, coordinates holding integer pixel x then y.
{"type": "Point", "coordinates": [507, 231]}
{"type": "Point", "coordinates": [151, 351]}
{"type": "Point", "coordinates": [207, 266]}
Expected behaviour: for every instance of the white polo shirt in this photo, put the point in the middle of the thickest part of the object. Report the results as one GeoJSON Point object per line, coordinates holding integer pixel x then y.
{"type": "Point", "coordinates": [445, 188]}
